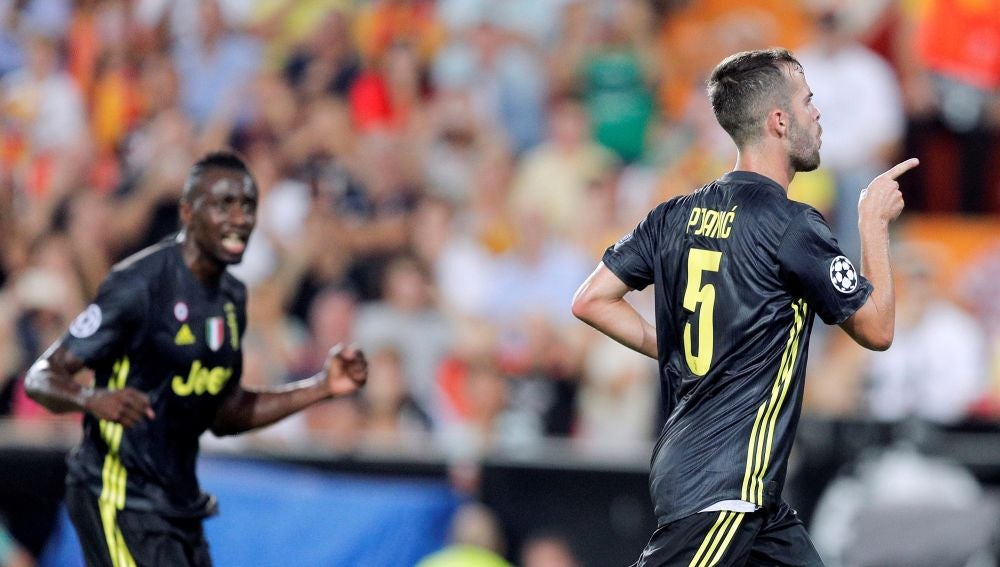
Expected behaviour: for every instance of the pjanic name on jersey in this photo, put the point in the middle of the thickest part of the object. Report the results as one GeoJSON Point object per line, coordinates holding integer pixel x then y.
{"type": "Point", "coordinates": [711, 223]}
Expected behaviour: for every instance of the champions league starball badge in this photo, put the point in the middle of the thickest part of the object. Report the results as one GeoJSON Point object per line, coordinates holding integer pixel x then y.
{"type": "Point", "coordinates": [843, 276]}
{"type": "Point", "coordinates": [87, 322]}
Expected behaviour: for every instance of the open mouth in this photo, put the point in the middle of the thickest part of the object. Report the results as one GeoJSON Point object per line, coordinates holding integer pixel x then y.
{"type": "Point", "coordinates": [234, 243]}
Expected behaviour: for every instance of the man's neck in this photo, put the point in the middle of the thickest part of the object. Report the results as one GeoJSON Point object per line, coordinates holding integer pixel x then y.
{"type": "Point", "coordinates": [205, 270]}
{"type": "Point", "coordinates": [770, 164]}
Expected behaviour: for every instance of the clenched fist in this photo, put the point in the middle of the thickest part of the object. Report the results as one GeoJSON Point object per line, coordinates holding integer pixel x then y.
{"type": "Point", "coordinates": [346, 370]}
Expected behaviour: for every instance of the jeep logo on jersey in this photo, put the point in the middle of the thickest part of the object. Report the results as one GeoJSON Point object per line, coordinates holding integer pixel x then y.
{"type": "Point", "coordinates": [200, 380]}
{"type": "Point", "coordinates": [842, 275]}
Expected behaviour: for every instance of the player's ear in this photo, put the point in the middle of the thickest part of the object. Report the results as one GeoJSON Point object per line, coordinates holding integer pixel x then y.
{"type": "Point", "coordinates": [185, 212]}
{"type": "Point", "coordinates": [777, 123]}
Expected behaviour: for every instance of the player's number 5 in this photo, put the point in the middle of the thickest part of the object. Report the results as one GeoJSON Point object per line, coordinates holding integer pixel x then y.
{"type": "Point", "coordinates": [695, 295]}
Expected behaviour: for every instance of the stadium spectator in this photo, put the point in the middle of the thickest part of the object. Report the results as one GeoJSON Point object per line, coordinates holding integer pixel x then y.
{"type": "Point", "coordinates": [327, 62]}
{"type": "Point", "coordinates": [863, 134]}
{"type": "Point", "coordinates": [44, 115]}
{"type": "Point", "coordinates": [11, 49]}
{"type": "Point", "coordinates": [309, 41]}
{"type": "Point", "coordinates": [980, 295]}
{"type": "Point", "coordinates": [380, 24]}
{"type": "Point", "coordinates": [279, 342]}
{"type": "Point", "coordinates": [552, 178]}
{"type": "Point", "coordinates": [547, 550]}
{"type": "Point", "coordinates": [146, 202]}
{"type": "Point", "coordinates": [408, 320]}
{"type": "Point", "coordinates": [462, 267]}
{"type": "Point", "coordinates": [687, 58]}
{"type": "Point", "coordinates": [184, 18]}
{"type": "Point", "coordinates": [503, 79]}
{"type": "Point", "coordinates": [456, 143]}
{"type": "Point", "coordinates": [332, 320]}
{"type": "Point", "coordinates": [483, 416]}
{"type": "Point", "coordinates": [534, 276]}
{"type": "Point", "coordinates": [49, 18]}
{"type": "Point", "coordinates": [376, 211]}
{"type": "Point", "coordinates": [476, 540]}
{"type": "Point", "coordinates": [392, 418]}
{"type": "Point", "coordinates": [215, 67]}
{"type": "Point", "coordinates": [388, 95]}
{"type": "Point", "coordinates": [934, 338]}
{"type": "Point", "coordinates": [536, 341]}
{"type": "Point", "coordinates": [611, 60]}
{"type": "Point", "coordinates": [338, 426]}
{"type": "Point", "coordinates": [949, 61]}
{"type": "Point", "coordinates": [43, 300]}
{"type": "Point", "coordinates": [617, 398]}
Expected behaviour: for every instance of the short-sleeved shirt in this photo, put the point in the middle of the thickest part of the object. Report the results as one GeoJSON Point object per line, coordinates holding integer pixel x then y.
{"type": "Point", "coordinates": [739, 272]}
{"type": "Point", "coordinates": [156, 328]}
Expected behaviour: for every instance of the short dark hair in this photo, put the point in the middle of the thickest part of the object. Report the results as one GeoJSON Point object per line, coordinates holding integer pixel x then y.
{"type": "Point", "coordinates": [215, 160]}
{"type": "Point", "coordinates": [744, 84]}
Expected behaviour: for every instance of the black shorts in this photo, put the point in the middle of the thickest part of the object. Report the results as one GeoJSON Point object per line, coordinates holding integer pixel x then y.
{"type": "Point", "coordinates": [756, 539]}
{"type": "Point", "coordinates": [127, 538]}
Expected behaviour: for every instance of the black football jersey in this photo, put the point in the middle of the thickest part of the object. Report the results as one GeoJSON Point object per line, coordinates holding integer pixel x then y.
{"type": "Point", "coordinates": [739, 272]}
{"type": "Point", "coordinates": [154, 327]}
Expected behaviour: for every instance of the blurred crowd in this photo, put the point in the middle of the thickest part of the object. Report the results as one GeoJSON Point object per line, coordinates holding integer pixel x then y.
{"type": "Point", "coordinates": [437, 178]}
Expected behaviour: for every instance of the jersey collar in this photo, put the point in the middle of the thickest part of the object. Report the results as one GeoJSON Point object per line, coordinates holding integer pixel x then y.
{"type": "Point", "coordinates": [752, 177]}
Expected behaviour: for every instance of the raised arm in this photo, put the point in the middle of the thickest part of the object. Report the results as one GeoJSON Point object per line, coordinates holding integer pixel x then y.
{"type": "Point", "coordinates": [344, 372]}
{"type": "Point", "coordinates": [50, 383]}
{"type": "Point", "coordinates": [873, 325]}
{"type": "Point", "coordinates": [600, 302]}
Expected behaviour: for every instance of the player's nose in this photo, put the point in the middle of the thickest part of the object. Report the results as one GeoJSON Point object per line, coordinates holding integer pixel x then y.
{"type": "Point", "coordinates": [241, 217]}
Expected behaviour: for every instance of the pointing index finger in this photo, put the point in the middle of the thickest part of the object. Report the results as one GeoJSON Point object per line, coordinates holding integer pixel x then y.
{"type": "Point", "coordinates": [901, 168]}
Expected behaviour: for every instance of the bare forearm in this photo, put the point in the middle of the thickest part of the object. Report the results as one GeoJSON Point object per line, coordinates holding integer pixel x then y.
{"type": "Point", "coordinates": [50, 382]}
{"type": "Point", "coordinates": [617, 319]}
{"type": "Point", "coordinates": [600, 302]}
{"type": "Point", "coordinates": [873, 325]}
{"type": "Point", "coordinates": [876, 267]}
{"type": "Point", "coordinates": [54, 390]}
{"type": "Point", "coordinates": [251, 409]}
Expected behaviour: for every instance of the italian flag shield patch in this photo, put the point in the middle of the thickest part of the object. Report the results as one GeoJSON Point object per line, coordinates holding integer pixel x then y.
{"type": "Point", "coordinates": [215, 332]}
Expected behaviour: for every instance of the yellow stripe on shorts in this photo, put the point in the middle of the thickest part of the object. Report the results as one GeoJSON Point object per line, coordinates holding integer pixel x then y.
{"type": "Point", "coordinates": [719, 536]}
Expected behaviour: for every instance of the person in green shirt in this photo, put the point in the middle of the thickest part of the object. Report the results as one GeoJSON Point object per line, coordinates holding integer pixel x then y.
{"type": "Point", "coordinates": [476, 541]}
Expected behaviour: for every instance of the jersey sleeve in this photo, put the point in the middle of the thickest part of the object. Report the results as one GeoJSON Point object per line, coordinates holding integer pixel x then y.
{"type": "Point", "coordinates": [632, 257]}
{"type": "Point", "coordinates": [815, 268]}
{"type": "Point", "coordinates": [108, 324]}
